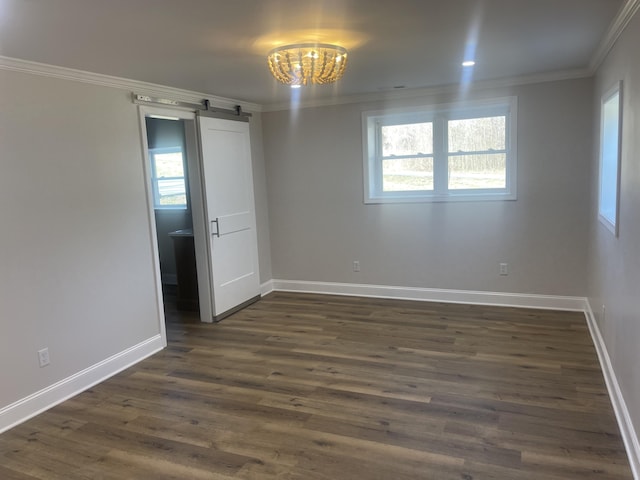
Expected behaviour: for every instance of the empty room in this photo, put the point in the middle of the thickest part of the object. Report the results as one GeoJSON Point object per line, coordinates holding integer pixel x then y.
{"type": "Point", "coordinates": [319, 239]}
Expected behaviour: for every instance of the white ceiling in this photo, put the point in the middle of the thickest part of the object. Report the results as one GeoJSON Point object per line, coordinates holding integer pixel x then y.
{"type": "Point", "coordinates": [219, 46]}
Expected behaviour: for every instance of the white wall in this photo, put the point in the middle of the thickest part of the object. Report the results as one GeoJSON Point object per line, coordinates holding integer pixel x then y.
{"type": "Point", "coordinates": [77, 269]}
{"type": "Point", "coordinates": [319, 223]}
{"type": "Point", "coordinates": [263, 226]}
{"type": "Point", "coordinates": [76, 256]}
{"type": "Point", "coordinates": [614, 273]}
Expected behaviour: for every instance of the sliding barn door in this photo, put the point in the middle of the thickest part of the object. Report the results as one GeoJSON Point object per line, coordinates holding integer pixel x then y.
{"type": "Point", "coordinates": [231, 222]}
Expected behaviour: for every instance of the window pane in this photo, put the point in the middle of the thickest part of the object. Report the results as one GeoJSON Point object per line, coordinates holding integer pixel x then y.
{"type": "Point", "coordinates": [407, 139]}
{"type": "Point", "coordinates": [169, 182]}
{"type": "Point", "coordinates": [407, 174]}
{"type": "Point", "coordinates": [477, 171]}
{"type": "Point", "coordinates": [609, 149]}
{"type": "Point", "coordinates": [172, 192]}
{"type": "Point", "coordinates": [169, 164]}
{"type": "Point", "coordinates": [477, 134]}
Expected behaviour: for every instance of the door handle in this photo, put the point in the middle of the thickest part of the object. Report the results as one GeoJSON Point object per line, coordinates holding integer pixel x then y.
{"type": "Point", "coordinates": [217, 232]}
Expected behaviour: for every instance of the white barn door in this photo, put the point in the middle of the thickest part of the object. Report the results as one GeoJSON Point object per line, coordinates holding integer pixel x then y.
{"type": "Point", "coordinates": [230, 212]}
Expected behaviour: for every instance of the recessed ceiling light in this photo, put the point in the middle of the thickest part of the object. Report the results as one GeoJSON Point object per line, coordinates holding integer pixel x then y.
{"type": "Point", "coordinates": [296, 86]}
{"type": "Point", "coordinates": [468, 63]}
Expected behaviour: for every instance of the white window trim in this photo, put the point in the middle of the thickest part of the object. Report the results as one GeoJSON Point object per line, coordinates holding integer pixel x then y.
{"type": "Point", "coordinates": [610, 224]}
{"type": "Point", "coordinates": [371, 119]}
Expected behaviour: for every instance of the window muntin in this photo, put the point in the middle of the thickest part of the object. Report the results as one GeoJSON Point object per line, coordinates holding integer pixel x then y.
{"type": "Point", "coordinates": [477, 153]}
{"type": "Point", "coordinates": [447, 153]}
{"type": "Point", "coordinates": [407, 157]}
{"type": "Point", "coordinates": [168, 178]}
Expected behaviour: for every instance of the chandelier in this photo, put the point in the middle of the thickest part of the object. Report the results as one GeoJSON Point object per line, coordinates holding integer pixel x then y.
{"type": "Point", "coordinates": [307, 63]}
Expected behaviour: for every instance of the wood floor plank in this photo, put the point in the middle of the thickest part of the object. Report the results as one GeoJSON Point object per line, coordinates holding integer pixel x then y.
{"type": "Point", "coordinates": [318, 387]}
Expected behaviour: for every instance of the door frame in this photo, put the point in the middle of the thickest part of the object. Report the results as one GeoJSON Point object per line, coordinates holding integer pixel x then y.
{"type": "Point", "coordinates": [196, 199]}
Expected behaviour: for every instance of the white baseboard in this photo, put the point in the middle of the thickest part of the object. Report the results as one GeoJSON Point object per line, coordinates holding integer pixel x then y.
{"type": "Point", "coordinates": [549, 302]}
{"type": "Point", "coordinates": [629, 435]}
{"type": "Point", "coordinates": [38, 402]}
{"type": "Point", "coordinates": [266, 288]}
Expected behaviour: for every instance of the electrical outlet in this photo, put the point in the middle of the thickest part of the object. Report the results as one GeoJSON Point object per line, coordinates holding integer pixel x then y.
{"type": "Point", "coordinates": [43, 357]}
{"type": "Point", "coordinates": [356, 266]}
{"type": "Point", "coordinates": [504, 269]}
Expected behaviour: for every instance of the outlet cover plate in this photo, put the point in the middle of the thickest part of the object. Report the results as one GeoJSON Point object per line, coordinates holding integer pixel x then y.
{"type": "Point", "coordinates": [43, 357]}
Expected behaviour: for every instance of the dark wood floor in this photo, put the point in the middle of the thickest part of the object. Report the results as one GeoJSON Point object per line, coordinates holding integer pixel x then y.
{"type": "Point", "coordinates": [321, 387]}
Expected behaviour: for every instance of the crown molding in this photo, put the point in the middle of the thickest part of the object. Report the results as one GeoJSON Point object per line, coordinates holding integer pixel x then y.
{"type": "Point", "coordinates": [616, 28]}
{"type": "Point", "coordinates": [619, 23]}
{"type": "Point", "coordinates": [151, 89]}
{"type": "Point", "coordinates": [433, 91]}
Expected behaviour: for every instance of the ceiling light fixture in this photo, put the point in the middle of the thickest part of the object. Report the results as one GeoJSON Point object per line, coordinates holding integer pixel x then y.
{"type": "Point", "coordinates": [468, 63]}
{"type": "Point", "coordinates": [307, 63]}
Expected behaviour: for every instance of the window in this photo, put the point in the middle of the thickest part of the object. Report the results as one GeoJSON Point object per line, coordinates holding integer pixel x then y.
{"type": "Point", "coordinates": [168, 178]}
{"type": "Point", "coordinates": [610, 131]}
{"type": "Point", "coordinates": [445, 153]}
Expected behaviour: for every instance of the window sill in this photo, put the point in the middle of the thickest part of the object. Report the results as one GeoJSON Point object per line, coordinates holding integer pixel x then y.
{"type": "Point", "coordinates": [488, 197]}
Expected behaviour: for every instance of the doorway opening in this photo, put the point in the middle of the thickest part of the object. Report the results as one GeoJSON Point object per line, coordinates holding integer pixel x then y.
{"type": "Point", "coordinates": [172, 207]}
